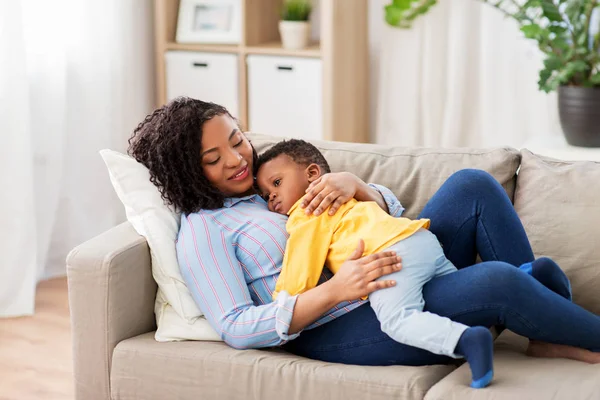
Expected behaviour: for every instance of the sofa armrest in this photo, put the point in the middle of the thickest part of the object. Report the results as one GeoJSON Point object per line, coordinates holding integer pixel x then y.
{"type": "Point", "coordinates": [111, 297]}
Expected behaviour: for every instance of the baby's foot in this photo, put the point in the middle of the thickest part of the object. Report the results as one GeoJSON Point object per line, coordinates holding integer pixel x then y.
{"type": "Point", "coordinates": [549, 274]}
{"type": "Point", "coordinates": [477, 346]}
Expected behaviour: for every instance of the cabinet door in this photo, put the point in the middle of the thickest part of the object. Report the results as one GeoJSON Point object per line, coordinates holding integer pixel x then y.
{"type": "Point", "coordinates": [204, 76]}
{"type": "Point", "coordinates": [285, 96]}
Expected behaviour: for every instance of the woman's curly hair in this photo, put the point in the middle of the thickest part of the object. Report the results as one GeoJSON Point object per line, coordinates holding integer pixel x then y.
{"type": "Point", "coordinates": [168, 143]}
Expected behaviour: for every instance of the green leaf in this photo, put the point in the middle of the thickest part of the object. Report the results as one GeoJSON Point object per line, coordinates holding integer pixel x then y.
{"type": "Point", "coordinates": [296, 10]}
{"type": "Point", "coordinates": [403, 4]}
{"type": "Point", "coordinates": [582, 39]}
{"type": "Point", "coordinates": [578, 66]}
{"type": "Point", "coordinates": [558, 29]}
{"type": "Point", "coordinates": [393, 15]}
{"type": "Point", "coordinates": [574, 10]}
{"type": "Point", "coordinates": [562, 44]}
{"type": "Point", "coordinates": [570, 70]}
{"type": "Point", "coordinates": [553, 62]}
{"type": "Point", "coordinates": [545, 74]}
{"type": "Point", "coordinates": [569, 54]}
{"type": "Point", "coordinates": [402, 12]}
{"type": "Point", "coordinates": [532, 4]}
{"type": "Point", "coordinates": [420, 10]}
{"type": "Point", "coordinates": [531, 31]}
{"type": "Point", "coordinates": [595, 79]}
{"type": "Point", "coordinates": [551, 79]}
{"type": "Point", "coordinates": [550, 10]}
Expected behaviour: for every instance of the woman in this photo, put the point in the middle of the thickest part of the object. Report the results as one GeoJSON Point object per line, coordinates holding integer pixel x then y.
{"type": "Point", "coordinates": [230, 249]}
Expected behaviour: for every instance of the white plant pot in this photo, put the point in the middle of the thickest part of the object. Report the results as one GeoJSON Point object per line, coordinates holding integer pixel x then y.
{"type": "Point", "coordinates": [294, 34]}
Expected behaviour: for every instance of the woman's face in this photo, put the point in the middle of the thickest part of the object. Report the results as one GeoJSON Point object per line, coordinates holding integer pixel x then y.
{"type": "Point", "coordinates": [226, 156]}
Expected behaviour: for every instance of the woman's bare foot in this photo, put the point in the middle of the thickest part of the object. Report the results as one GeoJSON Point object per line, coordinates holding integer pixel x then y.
{"type": "Point", "coordinates": [551, 350]}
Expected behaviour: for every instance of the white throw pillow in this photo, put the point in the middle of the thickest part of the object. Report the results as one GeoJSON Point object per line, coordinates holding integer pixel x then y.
{"type": "Point", "coordinates": [177, 315]}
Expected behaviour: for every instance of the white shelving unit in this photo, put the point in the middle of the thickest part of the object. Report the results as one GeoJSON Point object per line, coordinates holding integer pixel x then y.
{"type": "Point", "coordinates": [320, 92]}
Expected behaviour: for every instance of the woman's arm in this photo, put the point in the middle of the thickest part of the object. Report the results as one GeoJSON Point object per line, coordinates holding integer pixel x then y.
{"type": "Point", "coordinates": [311, 305]}
{"type": "Point", "coordinates": [337, 188]}
{"type": "Point", "coordinates": [216, 281]}
{"type": "Point", "coordinates": [394, 207]}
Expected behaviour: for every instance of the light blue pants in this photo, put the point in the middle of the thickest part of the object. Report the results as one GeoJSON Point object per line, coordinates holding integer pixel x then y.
{"type": "Point", "coordinates": [400, 308]}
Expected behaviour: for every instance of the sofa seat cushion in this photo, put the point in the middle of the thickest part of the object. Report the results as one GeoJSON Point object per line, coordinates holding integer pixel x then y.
{"type": "Point", "coordinates": [413, 174]}
{"type": "Point", "coordinates": [517, 376]}
{"type": "Point", "coordinates": [559, 204]}
{"type": "Point", "coordinates": [143, 368]}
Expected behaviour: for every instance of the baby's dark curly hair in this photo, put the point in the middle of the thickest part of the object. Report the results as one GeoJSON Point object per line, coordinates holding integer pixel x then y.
{"type": "Point", "coordinates": [301, 152]}
{"type": "Point", "coordinates": [168, 143]}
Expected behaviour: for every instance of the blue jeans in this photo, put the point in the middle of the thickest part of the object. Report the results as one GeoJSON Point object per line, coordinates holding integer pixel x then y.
{"type": "Point", "coordinates": [469, 214]}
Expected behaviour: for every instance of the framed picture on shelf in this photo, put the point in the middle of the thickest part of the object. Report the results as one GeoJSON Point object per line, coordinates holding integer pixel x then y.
{"type": "Point", "coordinates": [209, 21]}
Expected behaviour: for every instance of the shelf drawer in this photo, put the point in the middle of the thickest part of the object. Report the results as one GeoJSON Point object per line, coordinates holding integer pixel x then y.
{"type": "Point", "coordinates": [285, 96]}
{"type": "Point", "coordinates": [205, 76]}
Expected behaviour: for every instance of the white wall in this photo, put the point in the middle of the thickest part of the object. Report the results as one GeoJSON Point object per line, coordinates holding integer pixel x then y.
{"type": "Point", "coordinates": [376, 25]}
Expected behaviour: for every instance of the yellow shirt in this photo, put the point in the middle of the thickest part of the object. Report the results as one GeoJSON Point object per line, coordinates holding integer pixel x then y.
{"type": "Point", "coordinates": [329, 240]}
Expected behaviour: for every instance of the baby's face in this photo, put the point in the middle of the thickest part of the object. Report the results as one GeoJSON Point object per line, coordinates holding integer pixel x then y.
{"type": "Point", "coordinates": [282, 183]}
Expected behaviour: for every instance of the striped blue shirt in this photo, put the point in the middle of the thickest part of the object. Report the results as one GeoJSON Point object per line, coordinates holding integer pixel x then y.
{"type": "Point", "coordinates": [230, 259]}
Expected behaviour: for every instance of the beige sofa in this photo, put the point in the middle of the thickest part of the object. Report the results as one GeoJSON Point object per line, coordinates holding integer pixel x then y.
{"type": "Point", "coordinates": [112, 292]}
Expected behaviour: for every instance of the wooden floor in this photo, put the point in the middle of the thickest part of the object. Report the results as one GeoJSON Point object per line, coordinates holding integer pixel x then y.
{"type": "Point", "coordinates": [35, 352]}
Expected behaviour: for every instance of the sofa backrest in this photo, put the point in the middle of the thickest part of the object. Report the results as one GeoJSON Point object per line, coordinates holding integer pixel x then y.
{"type": "Point", "coordinates": [413, 174]}
{"type": "Point", "coordinates": [559, 205]}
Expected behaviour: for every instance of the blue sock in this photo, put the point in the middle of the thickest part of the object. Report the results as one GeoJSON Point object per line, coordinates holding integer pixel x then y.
{"type": "Point", "coordinates": [477, 346]}
{"type": "Point", "coordinates": [549, 274]}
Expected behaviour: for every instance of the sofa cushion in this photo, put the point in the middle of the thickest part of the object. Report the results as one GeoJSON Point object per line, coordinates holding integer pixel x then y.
{"type": "Point", "coordinates": [413, 174]}
{"type": "Point", "coordinates": [517, 376]}
{"type": "Point", "coordinates": [145, 369]}
{"type": "Point", "coordinates": [559, 205]}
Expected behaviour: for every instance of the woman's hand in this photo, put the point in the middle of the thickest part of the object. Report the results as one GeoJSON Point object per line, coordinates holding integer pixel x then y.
{"type": "Point", "coordinates": [356, 277]}
{"type": "Point", "coordinates": [354, 280]}
{"type": "Point", "coordinates": [334, 189]}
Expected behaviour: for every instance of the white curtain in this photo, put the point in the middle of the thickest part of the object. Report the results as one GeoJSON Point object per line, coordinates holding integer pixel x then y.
{"type": "Point", "coordinates": [75, 77]}
{"type": "Point", "coordinates": [463, 76]}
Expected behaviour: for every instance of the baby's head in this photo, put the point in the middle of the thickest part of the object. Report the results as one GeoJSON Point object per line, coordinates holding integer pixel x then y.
{"type": "Point", "coordinates": [284, 172]}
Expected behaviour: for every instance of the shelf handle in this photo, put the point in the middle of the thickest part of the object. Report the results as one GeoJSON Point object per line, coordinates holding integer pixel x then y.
{"type": "Point", "coordinates": [200, 64]}
{"type": "Point", "coordinates": [285, 68]}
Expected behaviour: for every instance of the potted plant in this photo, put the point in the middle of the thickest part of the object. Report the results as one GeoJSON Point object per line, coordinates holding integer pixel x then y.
{"type": "Point", "coordinates": [294, 26]}
{"type": "Point", "coordinates": [564, 31]}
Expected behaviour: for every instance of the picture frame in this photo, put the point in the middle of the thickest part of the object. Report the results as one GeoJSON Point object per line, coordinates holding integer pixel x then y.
{"type": "Point", "coordinates": [209, 21]}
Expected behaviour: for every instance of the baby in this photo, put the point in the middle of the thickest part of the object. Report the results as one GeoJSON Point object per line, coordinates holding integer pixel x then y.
{"type": "Point", "coordinates": [284, 172]}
